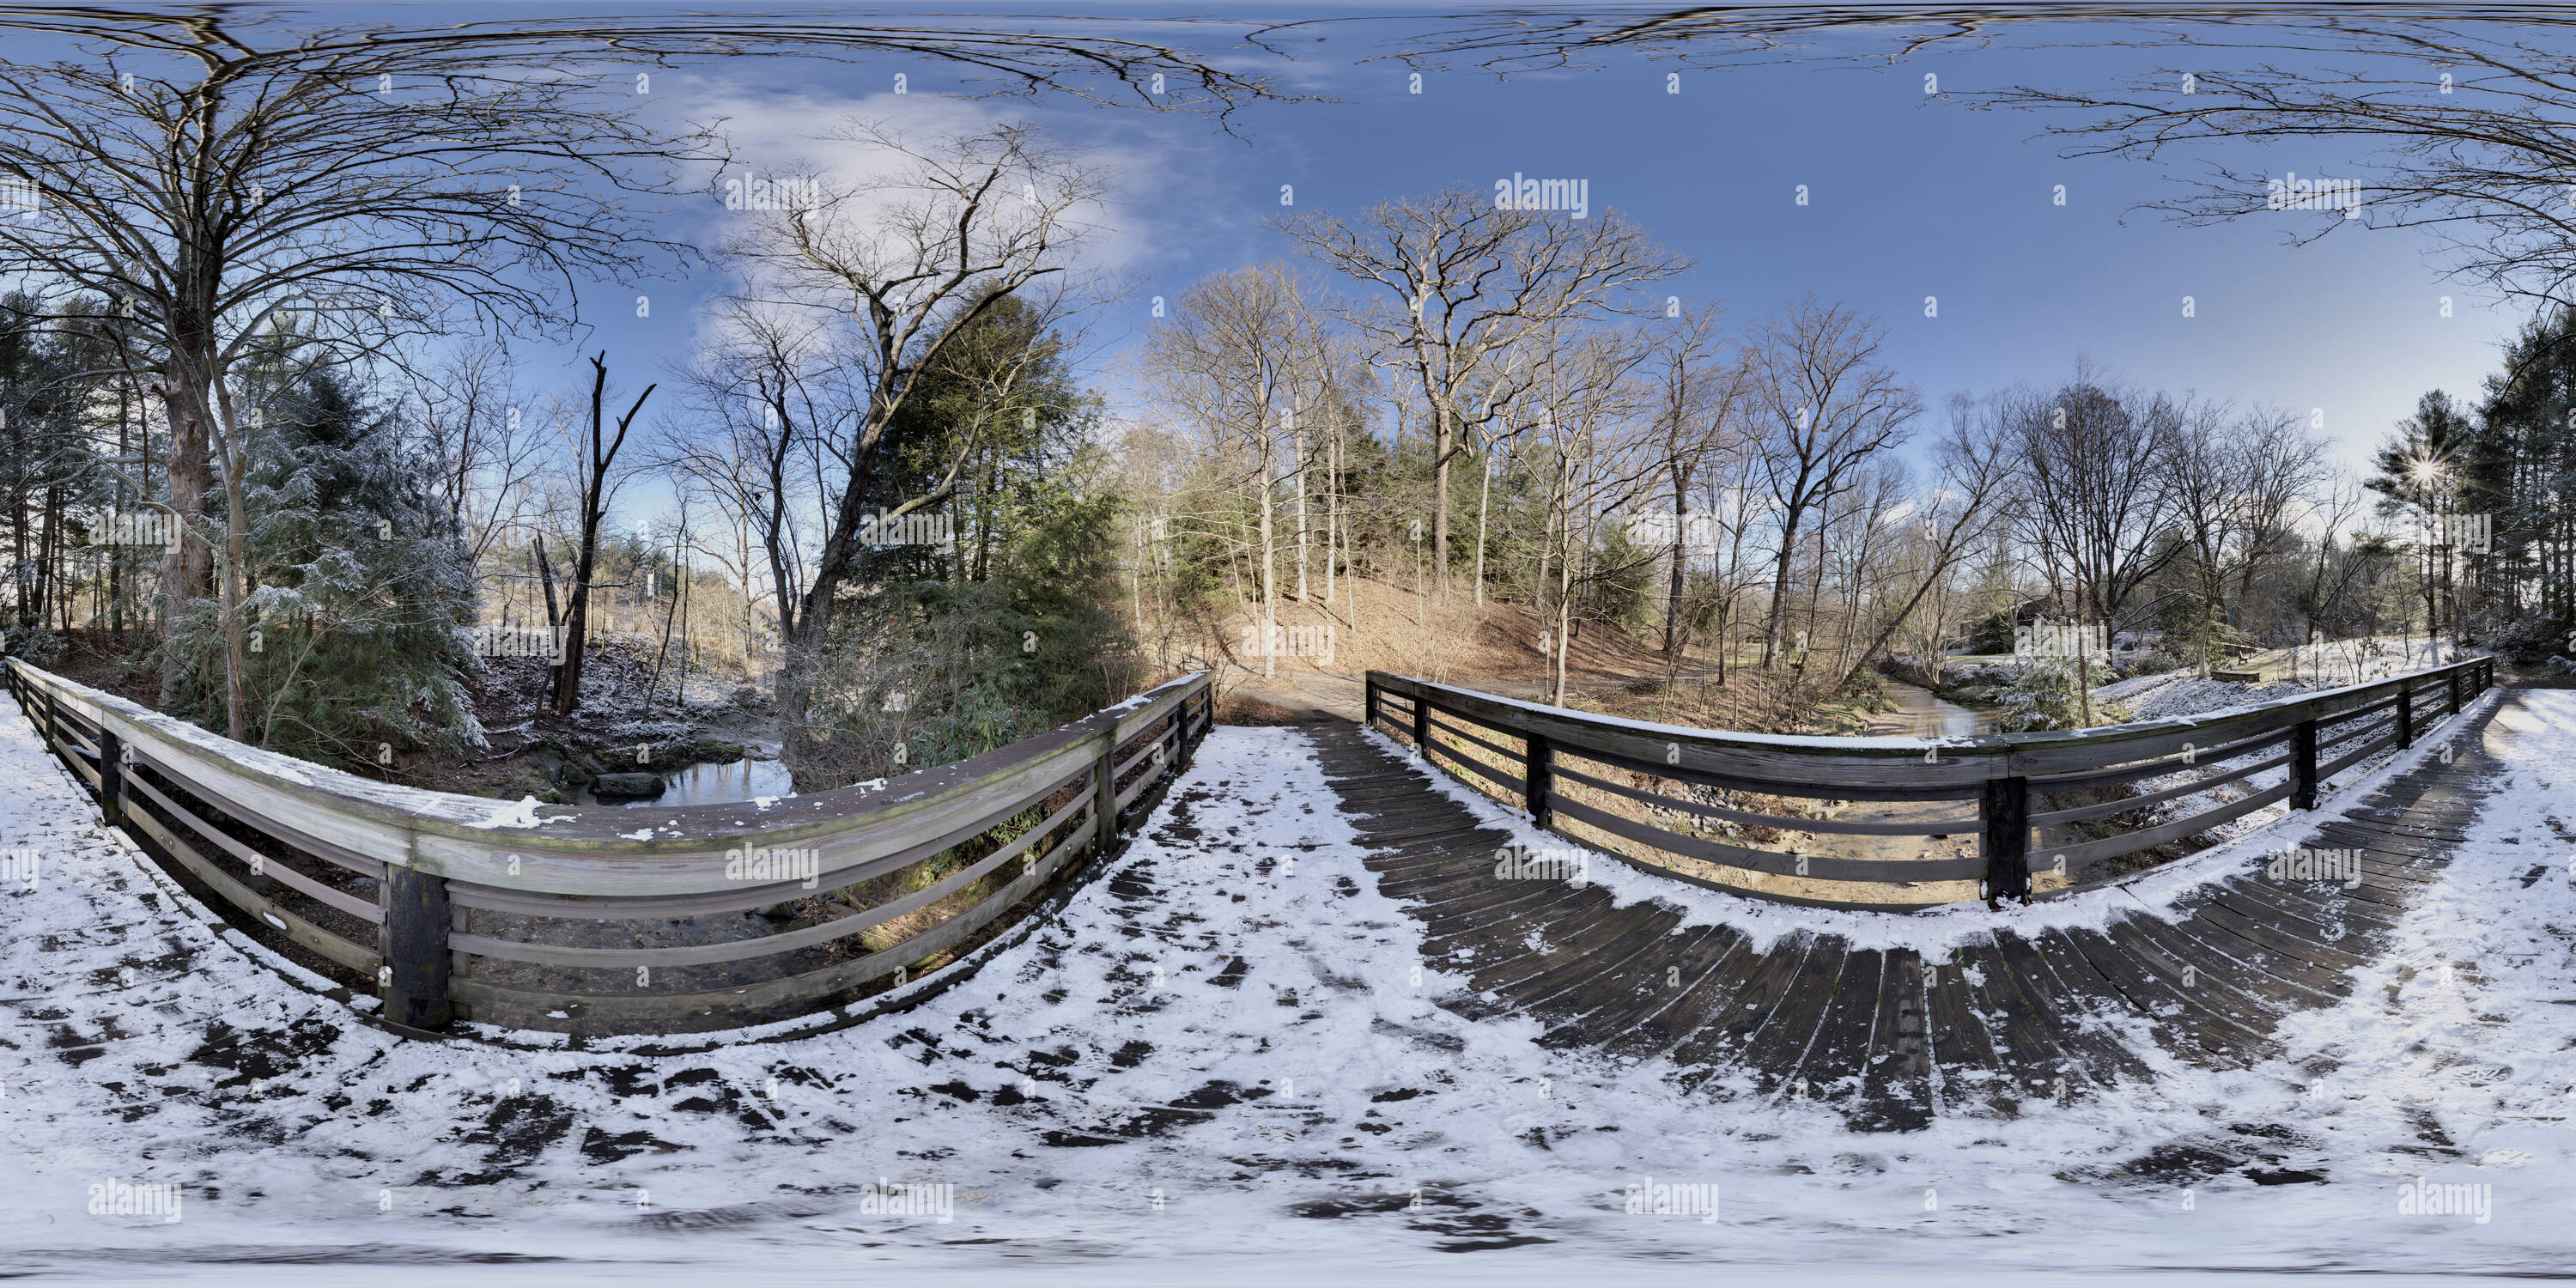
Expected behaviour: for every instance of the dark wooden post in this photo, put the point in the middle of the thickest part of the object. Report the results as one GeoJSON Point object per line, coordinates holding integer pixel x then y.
{"type": "Point", "coordinates": [1368, 703]}
{"type": "Point", "coordinates": [1104, 794]}
{"type": "Point", "coordinates": [53, 722]}
{"type": "Point", "coordinates": [1537, 765]}
{"type": "Point", "coordinates": [1421, 726]}
{"type": "Point", "coordinates": [2405, 713]}
{"type": "Point", "coordinates": [111, 776]}
{"type": "Point", "coordinates": [2303, 765]}
{"type": "Point", "coordinates": [2006, 810]}
{"type": "Point", "coordinates": [2454, 678]}
{"type": "Point", "coordinates": [415, 948]}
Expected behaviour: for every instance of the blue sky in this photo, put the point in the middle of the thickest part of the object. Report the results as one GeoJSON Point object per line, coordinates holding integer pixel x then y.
{"type": "Point", "coordinates": [1911, 196]}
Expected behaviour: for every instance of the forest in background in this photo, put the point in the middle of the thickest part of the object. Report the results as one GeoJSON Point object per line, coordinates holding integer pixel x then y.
{"type": "Point", "coordinates": [312, 493]}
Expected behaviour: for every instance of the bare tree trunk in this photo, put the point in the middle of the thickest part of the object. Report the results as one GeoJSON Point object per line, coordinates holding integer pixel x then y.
{"type": "Point", "coordinates": [188, 572]}
{"type": "Point", "coordinates": [1673, 590]}
{"type": "Point", "coordinates": [1269, 565]}
{"type": "Point", "coordinates": [1441, 447]}
{"type": "Point", "coordinates": [1333, 511]}
{"type": "Point", "coordinates": [594, 509]}
{"type": "Point", "coordinates": [1484, 503]}
{"type": "Point", "coordinates": [1297, 455]}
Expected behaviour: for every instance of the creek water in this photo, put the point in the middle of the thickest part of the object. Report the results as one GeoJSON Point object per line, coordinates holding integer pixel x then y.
{"type": "Point", "coordinates": [711, 783]}
{"type": "Point", "coordinates": [1922, 713]}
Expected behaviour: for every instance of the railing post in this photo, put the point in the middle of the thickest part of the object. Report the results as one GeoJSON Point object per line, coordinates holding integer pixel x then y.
{"type": "Point", "coordinates": [414, 943]}
{"type": "Point", "coordinates": [1421, 726]}
{"type": "Point", "coordinates": [2303, 765]}
{"type": "Point", "coordinates": [1368, 702]}
{"type": "Point", "coordinates": [2405, 714]}
{"type": "Point", "coordinates": [1537, 769]}
{"type": "Point", "coordinates": [111, 776]}
{"type": "Point", "coordinates": [2006, 811]}
{"type": "Point", "coordinates": [53, 722]}
{"type": "Point", "coordinates": [1104, 794]}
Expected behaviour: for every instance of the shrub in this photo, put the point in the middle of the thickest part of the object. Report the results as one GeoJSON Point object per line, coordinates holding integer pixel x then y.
{"type": "Point", "coordinates": [2044, 695]}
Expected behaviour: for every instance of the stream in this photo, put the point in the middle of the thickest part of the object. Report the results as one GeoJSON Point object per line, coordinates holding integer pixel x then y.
{"type": "Point", "coordinates": [710, 783]}
{"type": "Point", "coordinates": [1922, 713]}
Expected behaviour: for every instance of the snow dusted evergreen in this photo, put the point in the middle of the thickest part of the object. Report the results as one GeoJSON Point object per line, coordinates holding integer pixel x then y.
{"type": "Point", "coordinates": [360, 585]}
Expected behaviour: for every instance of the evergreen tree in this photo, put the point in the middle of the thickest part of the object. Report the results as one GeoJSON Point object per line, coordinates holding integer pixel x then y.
{"type": "Point", "coordinates": [360, 584]}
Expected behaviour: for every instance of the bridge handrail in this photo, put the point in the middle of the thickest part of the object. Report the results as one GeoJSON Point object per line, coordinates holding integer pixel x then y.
{"type": "Point", "coordinates": [242, 821]}
{"type": "Point", "coordinates": [2000, 772]}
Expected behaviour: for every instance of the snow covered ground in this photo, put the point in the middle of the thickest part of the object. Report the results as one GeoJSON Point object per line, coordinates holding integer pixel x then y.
{"type": "Point", "coordinates": [1226, 1061]}
{"type": "Point", "coordinates": [2305, 668]}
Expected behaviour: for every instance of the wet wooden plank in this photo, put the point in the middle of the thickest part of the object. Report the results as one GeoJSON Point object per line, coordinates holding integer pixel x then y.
{"type": "Point", "coordinates": [1773, 1051]}
{"type": "Point", "coordinates": [1656, 1016]}
{"type": "Point", "coordinates": [2095, 1053]}
{"type": "Point", "coordinates": [1896, 1080]}
{"type": "Point", "coordinates": [1720, 1038]}
{"type": "Point", "coordinates": [2024, 1048]}
{"type": "Point", "coordinates": [1836, 1064]}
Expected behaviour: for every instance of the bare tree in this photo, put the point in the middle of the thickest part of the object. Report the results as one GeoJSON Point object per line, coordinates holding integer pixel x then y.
{"type": "Point", "coordinates": [915, 256]}
{"type": "Point", "coordinates": [766, 390]}
{"type": "Point", "coordinates": [1235, 361]}
{"type": "Point", "coordinates": [1967, 505]}
{"type": "Point", "coordinates": [2482, 163]}
{"type": "Point", "coordinates": [2097, 501]}
{"type": "Point", "coordinates": [1700, 403]}
{"type": "Point", "coordinates": [1830, 407]}
{"type": "Point", "coordinates": [599, 476]}
{"type": "Point", "coordinates": [345, 194]}
{"type": "Point", "coordinates": [485, 445]}
{"type": "Point", "coordinates": [1600, 459]}
{"type": "Point", "coordinates": [1465, 280]}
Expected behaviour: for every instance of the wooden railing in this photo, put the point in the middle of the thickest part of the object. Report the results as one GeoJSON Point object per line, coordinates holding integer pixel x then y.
{"type": "Point", "coordinates": [598, 920]}
{"type": "Point", "coordinates": [1609, 783]}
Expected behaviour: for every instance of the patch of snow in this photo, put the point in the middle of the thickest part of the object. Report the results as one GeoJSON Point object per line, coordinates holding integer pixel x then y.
{"type": "Point", "coordinates": [1162, 1142]}
{"type": "Point", "coordinates": [521, 814]}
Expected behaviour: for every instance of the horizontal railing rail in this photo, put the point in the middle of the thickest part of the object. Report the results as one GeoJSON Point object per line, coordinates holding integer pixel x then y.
{"type": "Point", "coordinates": [602, 920]}
{"type": "Point", "coordinates": [2046, 812]}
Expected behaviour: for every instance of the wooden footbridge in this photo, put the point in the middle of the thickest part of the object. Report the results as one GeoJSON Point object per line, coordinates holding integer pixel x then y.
{"type": "Point", "coordinates": [1893, 1036]}
{"type": "Point", "coordinates": [431, 908]}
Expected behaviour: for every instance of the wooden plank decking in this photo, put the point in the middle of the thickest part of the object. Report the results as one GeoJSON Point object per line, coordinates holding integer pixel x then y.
{"type": "Point", "coordinates": [1888, 1038]}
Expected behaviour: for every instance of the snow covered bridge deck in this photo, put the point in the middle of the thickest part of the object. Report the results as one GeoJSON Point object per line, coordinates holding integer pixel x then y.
{"type": "Point", "coordinates": [1299, 1001]}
